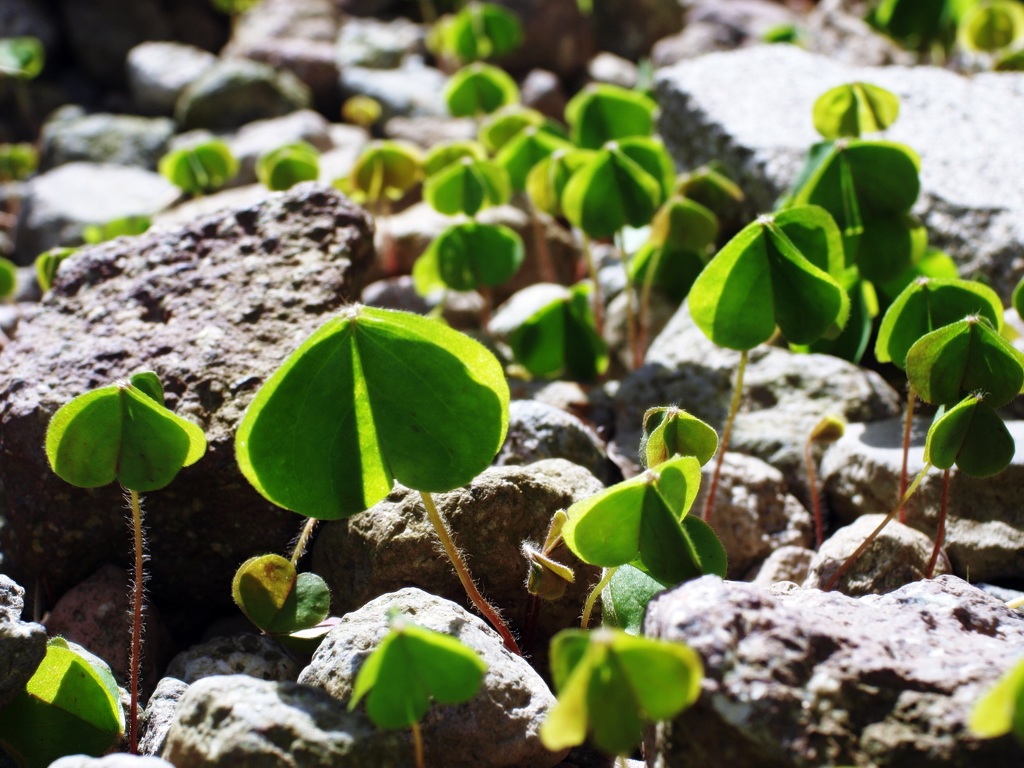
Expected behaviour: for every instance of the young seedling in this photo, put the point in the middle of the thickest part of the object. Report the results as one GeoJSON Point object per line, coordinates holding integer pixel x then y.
{"type": "Point", "coordinates": [127, 226]}
{"type": "Point", "coordinates": [123, 432]}
{"type": "Point", "coordinates": [478, 32]}
{"type": "Point", "coordinates": [286, 166]}
{"type": "Point", "coordinates": [8, 278]}
{"type": "Point", "coordinates": [854, 109]}
{"type": "Point", "coordinates": [372, 397]}
{"type": "Point", "coordinates": [479, 89]}
{"type": "Point", "coordinates": [610, 683]}
{"type": "Point", "coordinates": [467, 187]}
{"type": "Point", "coordinates": [442, 156]}
{"type": "Point", "coordinates": [17, 161]}
{"type": "Point", "coordinates": [71, 705]}
{"type": "Point", "coordinates": [47, 264]}
{"type": "Point", "coordinates": [546, 578]}
{"type": "Point", "coordinates": [779, 271]}
{"type": "Point", "coordinates": [921, 26]}
{"type": "Point", "coordinates": [500, 127]}
{"type": "Point", "coordinates": [411, 666]}
{"type": "Point", "coordinates": [709, 186]}
{"type": "Point", "coordinates": [362, 110]}
{"type": "Point", "coordinates": [828, 430]}
{"type": "Point", "coordinates": [990, 26]}
{"type": "Point", "coordinates": [602, 113]}
{"type": "Point", "coordinates": [1001, 709]}
{"type": "Point", "coordinates": [199, 169]}
{"type": "Point", "coordinates": [669, 431]}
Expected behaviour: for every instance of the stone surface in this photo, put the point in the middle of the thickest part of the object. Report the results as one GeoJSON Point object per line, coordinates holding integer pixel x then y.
{"type": "Point", "coordinates": [158, 71]}
{"type": "Point", "coordinates": [964, 129]}
{"type": "Point", "coordinates": [377, 44]}
{"type": "Point", "coordinates": [158, 716]}
{"type": "Point", "coordinates": [754, 512]}
{"type": "Point", "coordinates": [462, 309]}
{"type": "Point", "coordinates": [833, 31]}
{"type": "Point", "coordinates": [814, 678]}
{"type": "Point", "coordinates": [262, 136]}
{"type": "Point", "coordinates": [560, 38]}
{"type": "Point", "coordinates": [629, 28]}
{"type": "Point", "coordinates": [393, 545]}
{"type": "Point", "coordinates": [247, 653]}
{"type": "Point", "coordinates": [898, 556]}
{"type": "Point", "coordinates": [105, 138]}
{"type": "Point", "coordinates": [213, 307]}
{"type": "Point", "coordinates": [234, 92]}
{"type": "Point", "coordinates": [22, 643]}
{"type": "Point", "coordinates": [59, 204]}
{"type": "Point", "coordinates": [787, 563]}
{"type": "Point", "coordinates": [785, 394]}
{"type": "Point", "coordinates": [427, 130]}
{"type": "Point", "coordinates": [542, 90]}
{"type": "Point", "coordinates": [413, 89]}
{"type": "Point", "coordinates": [985, 523]}
{"type": "Point", "coordinates": [117, 760]}
{"type": "Point", "coordinates": [95, 614]}
{"type": "Point", "coordinates": [497, 727]}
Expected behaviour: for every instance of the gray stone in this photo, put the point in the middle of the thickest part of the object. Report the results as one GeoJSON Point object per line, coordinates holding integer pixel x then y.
{"type": "Point", "coordinates": [814, 678]}
{"type": "Point", "coordinates": [159, 714]}
{"type": "Point", "coordinates": [59, 204]}
{"type": "Point", "coordinates": [377, 44]}
{"type": "Point", "coordinates": [22, 643]}
{"type": "Point", "coordinates": [413, 89]}
{"type": "Point", "coordinates": [985, 524]}
{"type": "Point", "coordinates": [262, 136]}
{"type": "Point", "coordinates": [785, 394]}
{"type": "Point", "coordinates": [497, 727]}
{"type": "Point", "coordinates": [234, 92]}
{"type": "Point", "coordinates": [609, 68]}
{"type": "Point", "coordinates": [158, 71]}
{"type": "Point", "coordinates": [964, 129]}
{"type": "Point", "coordinates": [462, 309]}
{"type": "Point", "coordinates": [754, 512]}
{"type": "Point", "coordinates": [833, 31]}
{"type": "Point", "coordinates": [630, 27]}
{"type": "Point", "coordinates": [539, 431]}
{"type": "Point", "coordinates": [898, 556]}
{"type": "Point", "coordinates": [522, 305]}
{"type": "Point", "coordinates": [393, 545]}
{"type": "Point", "coordinates": [20, 18]}
{"type": "Point", "coordinates": [427, 130]}
{"type": "Point", "coordinates": [213, 307]}
{"type": "Point", "coordinates": [713, 26]}
{"type": "Point", "coordinates": [102, 32]}
{"type": "Point", "coordinates": [104, 138]}
{"type": "Point", "coordinates": [787, 563]}
{"type": "Point", "coordinates": [542, 90]}
{"type": "Point", "coordinates": [247, 653]}
{"type": "Point", "coordinates": [117, 760]}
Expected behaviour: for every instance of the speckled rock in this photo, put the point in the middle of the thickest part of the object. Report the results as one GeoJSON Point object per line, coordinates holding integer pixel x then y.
{"type": "Point", "coordinates": [898, 556]}
{"type": "Point", "coordinates": [213, 307]}
{"type": "Point", "coordinates": [22, 643]}
{"type": "Point", "coordinates": [787, 563]}
{"type": "Point", "coordinates": [104, 138]}
{"type": "Point", "coordinates": [248, 653]}
{"type": "Point", "coordinates": [158, 716]}
{"type": "Point", "coordinates": [497, 727]}
{"type": "Point", "coordinates": [813, 678]}
{"type": "Point", "coordinates": [158, 71]}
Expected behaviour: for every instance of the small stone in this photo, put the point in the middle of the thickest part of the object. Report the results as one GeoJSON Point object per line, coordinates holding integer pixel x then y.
{"type": "Point", "coordinates": [22, 643]}
{"type": "Point", "coordinates": [786, 564]}
{"type": "Point", "coordinates": [159, 714]}
{"type": "Point", "coordinates": [248, 653]}
{"type": "Point", "coordinates": [158, 71]}
{"type": "Point", "coordinates": [117, 760]}
{"type": "Point", "coordinates": [103, 138]}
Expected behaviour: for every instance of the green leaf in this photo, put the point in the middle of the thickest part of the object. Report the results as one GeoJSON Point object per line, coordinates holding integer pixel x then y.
{"type": "Point", "coordinates": [651, 155]}
{"type": "Point", "coordinates": [1017, 300]}
{"type": "Point", "coordinates": [965, 356]}
{"type": "Point", "coordinates": [125, 226]}
{"type": "Point", "coordinates": [467, 256]}
{"type": "Point", "coordinates": [670, 431]}
{"type": "Point", "coordinates": [22, 58]}
{"type": "Point", "coordinates": [971, 435]}
{"type": "Point", "coordinates": [149, 384]}
{"type": "Point", "coordinates": [546, 181]}
{"type": "Point", "coordinates": [624, 601]}
{"type": "Point", "coordinates": [525, 150]}
{"type": "Point", "coordinates": [411, 666]}
{"type": "Point", "coordinates": [853, 341]}
{"type": "Point", "coordinates": [277, 599]}
{"type": "Point", "coordinates": [855, 109]}
{"type": "Point", "coordinates": [444, 155]}
{"type": "Point", "coordinates": [479, 89]}
{"type": "Point", "coordinates": [120, 432]}
{"type": "Point", "coordinates": [286, 166]}
{"type": "Point", "coordinates": [47, 264]}
{"type": "Point", "coordinates": [17, 161]}
{"type": "Point", "coordinates": [201, 168]}
{"type": "Point", "coordinates": [70, 705]}
{"type": "Point", "coordinates": [384, 171]}
{"type": "Point", "coordinates": [991, 25]}
{"type": "Point", "coordinates": [602, 113]}
{"type": "Point", "coordinates": [710, 187]}
{"type": "Point", "coordinates": [1001, 709]}
{"type": "Point", "coordinates": [500, 127]}
{"type": "Point", "coordinates": [371, 397]}
{"type": "Point", "coordinates": [467, 187]}
{"type": "Point", "coordinates": [927, 304]}
{"type": "Point", "coordinates": [480, 31]}
{"type": "Point", "coordinates": [888, 244]}
{"type": "Point", "coordinates": [8, 278]}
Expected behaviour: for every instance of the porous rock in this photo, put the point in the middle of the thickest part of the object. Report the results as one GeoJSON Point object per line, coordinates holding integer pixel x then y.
{"type": "Point", "coordinates": [213, 307]}
{"type": "Point", "coordinates": [964, 130]}
{"type": "Point", "coordinates": [393, 545]}
{"type": "Point", "coordinates": [984, 526]}
{"type": "Point", "coordinates": [158, 716]}
{"type": "Point", "coordinates": [899, 555]}
{"type": "Point", "coordinates": [497, 727]}
{"type": "Point", "coordinates": [22, 643]}
{"type": "Point", "coordinates": [246, 653]}
{"type": "Point", "coordinates": [815, 678]}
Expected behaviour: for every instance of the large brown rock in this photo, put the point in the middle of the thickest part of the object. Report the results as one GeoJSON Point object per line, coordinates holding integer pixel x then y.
{"type": "Point", "coordinates": [213, 307]}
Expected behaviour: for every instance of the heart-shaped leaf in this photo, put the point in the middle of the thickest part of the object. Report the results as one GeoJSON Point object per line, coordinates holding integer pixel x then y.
{"type": "Point", "coordinates": [22, 57]}
{"type": "Point", "coordinates": [411, 666]}
{"type": "Point", "coordinates": [1001, 709]}
{"type": "Point", "coordinates": [677, 250]}
{"type": "Point", "coordinates": [710, 187]}
{"type": "Point", "coordinates": [546, 181]}
{"type": "Point", "coordinates": [624, 601]}
{"type": "Point", "coordinates": [467, 256]}
{"type": "Point", "coordinates": [670, 431]}
{"type": "Point", "coordinates": [122, 433]}
{"type": "Point", "coordinates": [371, 397]}
{"type": "Point", "coordinates": [855, 109]}
{"type": "Point", "coordinates": [479, 89]}
{"type": "Point", "coordinates": [385, 170]}
{"type": "Point", "coordinates": [972, 436]}
{"type": "Point", "coordinates": [499, 128]}
{"type": "Point", "coordinates": [47, 264]}
{"type": "Point", "coordinates": [276, 598]}
{"type": "Point", "coordinates": [479, 31]}
{"type": "Point", "coordinates": [602, 113]}
{"type": "Point", "coordinates": [286, 166]}
{"type": "Point", "coordinates": [467, 186]}
{"type": "Point", "coordinates": [204, 167]}
{"type": "Point", "coordinates": [609, 683]}
{"type": "Point", "coordinates": [525, 150]}
{"type": "Point", "coordinates": [991, 25]}
{"type": "Point", "coordinates": [443, 155]}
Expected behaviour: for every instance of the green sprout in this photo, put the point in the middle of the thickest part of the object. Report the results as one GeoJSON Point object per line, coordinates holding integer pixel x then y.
{"type": "Point", "coordinates": [200, 168]}
{"type": "Point", "coordinates": [47, 264]}
{"type": "Point", "coordinates": [286, 166]}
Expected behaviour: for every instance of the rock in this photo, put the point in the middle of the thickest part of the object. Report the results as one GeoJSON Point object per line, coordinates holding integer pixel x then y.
{"type": "Point", "coordinates": [348, 143]}
{"type": "Point", "coordinates": [629, 28]}
{"type": "Point", "coordinates": [103, 138]}
{"type": "Point", "coordinates": [428, 130]}
{"type": "Point", "coordinates": [816, 678]}
{"type": "Point", "coordinates": [226, 200]}
{"type": "Point", "coordinates": [234, 92]}
{"type": "Point", "coordinates": [20, 18]}
{"type": "Point", "coordinates": [833, 31]}
{"type": "Point", "coordinates": [392, 545]}
{"type": "Point", "coordinates": [497, 727]}
{"type": "Point", "coordinates": [213, 307]}
{"type": "Point", "coordinates": [559, 38]}
{"type": "Point", "coordinates": [59, 204]}
{"type": "Point", "coordinates": [522, 305]}
{"type": "Point", "coordinates": [158, 71]}
{"type": "Point", "coordinates": [241, 721]}
{"type": "Point", "coordinates": [754, 512]}
{"type": "Point", "coordinates": [159, 714]}
{"type": "Point", "coordinates": [117, 760]}
{"type": "Point", "coordinates": [660, 311]}
{"type": "Point", "coordinates": [96, 614]}
{"type": "Point", "coordinates": [609, 68]}
{"type": "Point", "coordinates": [101, 32]}
{"type": "Point", "coordinates": [413, 89]}
{"type": "Point", "coordinates": [899, 556]}
{"type": "Point", "coordinates": [542, 90]}
{"type": "Point", "coordinates": [760, 129]}
{"type": "Point", "coordinates": [262, 136]}
{"type": "Point", "coordinates": [861, 473]}
{"type": "Point", "coordinates": [539, 431]}
{"type": "Point", "coordinates": [377, 44]}
{"type": "Point", "coordinates": [22, 643]}
{"type": "Point", "coordinates": [785, 395]}
{"type": "Point", "coordinates": [462, 309]}
{"type": "Point", "coordinates": [785, 564]}
{"type": "Point", "coordinates": [246, 653]}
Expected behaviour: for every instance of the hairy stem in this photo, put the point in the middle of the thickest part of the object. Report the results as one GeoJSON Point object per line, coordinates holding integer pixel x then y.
{"type": "Point", "coordinates": [417, 743]}
{"type": "Point", "coordinates": [940, 534]}
{"type": "Point", "coordinates": [137, 618]}
{"type": "Point", "coordinates": [812, 483]}
{"type": "Point", "coordinates": [874, 534]}
{"type": "Point", "coordinates": [734, 407]}
{"type": "Point", "coordinates": [462, 571]}
{"type": "Point", "coordinates": [907, 427]}
{"type": "Point", "coordinates": [588, 608]}
{"type": "Point", "coordinates": [303, 540]}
